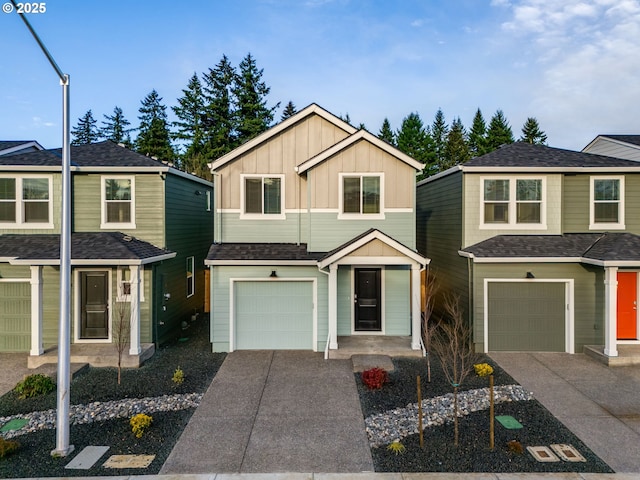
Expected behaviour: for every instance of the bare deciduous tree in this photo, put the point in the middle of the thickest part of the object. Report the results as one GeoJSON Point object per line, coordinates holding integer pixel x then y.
{"type": "Point", "coordinates": [121, 331]}
{"type": "Point", "coordinates": [429, 289]}
{"type": "Point", "coordinates": [451, 342]}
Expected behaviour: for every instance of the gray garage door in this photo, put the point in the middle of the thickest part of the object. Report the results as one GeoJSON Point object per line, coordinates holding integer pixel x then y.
{"type": "Point", "coordinates": [526, 316]}
{"type": "Point", "coordinates": [15, 317]}
{"type": "Point", "coordinates": [274, 315]}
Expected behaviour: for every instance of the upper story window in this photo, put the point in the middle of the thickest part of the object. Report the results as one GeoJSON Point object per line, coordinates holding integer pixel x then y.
{"type": "Point", "coordinates": [25, 202]}
{"type": "Point", "coordinates": [118, 202]}
{"type": "Point", "coordinates": [513, 203]}
{"type": "Point", "coordinates": [606, 210]}
{"type": "Point", "coordinates": [262, 196]}
{"type": "Point", "coordinates": [361, 195]}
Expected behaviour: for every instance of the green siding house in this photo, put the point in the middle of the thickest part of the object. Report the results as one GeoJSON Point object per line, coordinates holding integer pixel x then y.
{"type": "Point", "coordinates": [141, 230]}
{"type": "Point", "coordinates": [542, 244]}
{"type": "Point", "coordinates": [314, 239]}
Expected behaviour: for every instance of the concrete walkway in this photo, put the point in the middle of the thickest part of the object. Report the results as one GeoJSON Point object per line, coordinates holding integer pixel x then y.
{"type": "Point", "coordinates": [599, 404]}
{"type": "Point", "coordinates": [272, 412]}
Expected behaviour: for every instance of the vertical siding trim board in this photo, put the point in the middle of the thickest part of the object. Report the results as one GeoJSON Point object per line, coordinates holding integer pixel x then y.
{"type": "Point", "coordinates": [232, 313]}
{"type": "Point", "coordinates": [569, 311]}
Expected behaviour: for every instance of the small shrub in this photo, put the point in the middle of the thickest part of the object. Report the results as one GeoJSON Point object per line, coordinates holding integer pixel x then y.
{"type": "Point", "coordinates": [7, 447]}
{"type": "Point", "coordinates": [396, 447]}
{"type": "Point", "coordinates": [483, 369]}
{"type": "Point", "coordinates": [515, 446]}
{"type": "Point", "coordinates": [178, 376]}
{"type": "Point", "coordinates": [139, 423]}
{"type": "Point", "coordinates": [33, 385]}
{"type": "Point", "coordinates": [375, 378]}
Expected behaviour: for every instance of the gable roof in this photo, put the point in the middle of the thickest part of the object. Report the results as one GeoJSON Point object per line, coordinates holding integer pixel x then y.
{"type": "Point", "coordinates": [95, 248]}
{"type": "Point", "coordinates": [604, 249]}
{"type": "Point", "coordinates": [312, 109]}
{"type": "Point", "coordinates": [351, 140]}
{"type": "Point", "coordinates": [10, 147]}
{"type": "Point", "coordinates": [364, 238]}
{"type": "Point", "coordinates": [630, 140]}
{"type": "Point", "coordinates": [105, 156]}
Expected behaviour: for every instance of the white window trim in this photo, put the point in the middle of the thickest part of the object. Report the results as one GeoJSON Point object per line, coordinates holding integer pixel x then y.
{"type": "Point", "coordinates": [119, 282]}
{"type": "Point", "coordinates": [513, 225]}
{"type": "Point", "coordinates": [103, 215]}
{"type": "Point", "coordinates": [606, 226]}
{"type": "Point", "coordinates": [191, 279]}
{"type": "Point", "coordinates": [20, 223]}
{"type": "Point", "coordinates": [262, 216]}
{"type": "Point", "coordinates": [360, 216]}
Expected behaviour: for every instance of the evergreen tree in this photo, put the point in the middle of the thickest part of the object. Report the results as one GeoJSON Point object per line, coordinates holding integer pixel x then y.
{"type": "Point", "coordinates": [154, 136]}
{"type": "Point", "coordinates": [531, 132]}
{"type": "Point", "coordinates": [478, 136]}
{"type": "Point", "coordinates": [190, 113]}
{"type": "Point", "coordinates": [346, 118]}
{"type": "Point", "coordinates": [218, 122]}
{"type": "Point", "coordinates": [439, 131]}
{"type": "Point", "coordinates": [289, 111]}
{"type": "Point", "coordinates": [252, 114]}
{"type": "Point", "coordinates": [414, 140]}
{"type": "Point", "coordinates": [457, 149]}
{"type": "Point", "coordinates": [386, 133]}
{"type": "Point", "coordinates": [86, 131]}
{"type": "Point", "coordinates": [115, 128]}
{"type": "Point", "coordinates": [499, 132]}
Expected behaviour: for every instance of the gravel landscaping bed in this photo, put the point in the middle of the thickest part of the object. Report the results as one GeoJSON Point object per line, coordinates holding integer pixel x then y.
{"type": "Point", "coordinates": [96, 394]}
{"type": "Point", "coordinates": [397, 400]}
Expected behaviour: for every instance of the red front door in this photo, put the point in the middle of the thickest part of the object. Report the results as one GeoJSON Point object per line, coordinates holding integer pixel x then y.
{"type": "Point", "coordinates": [627, 306]}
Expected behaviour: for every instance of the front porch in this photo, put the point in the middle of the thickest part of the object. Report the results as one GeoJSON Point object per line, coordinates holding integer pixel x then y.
{"type": "Point", "coordinates": [373, 345]}
{"type": "Point", "coordinates": [628, 355]}
{"type": "Point", "coordinates": [96, 355]}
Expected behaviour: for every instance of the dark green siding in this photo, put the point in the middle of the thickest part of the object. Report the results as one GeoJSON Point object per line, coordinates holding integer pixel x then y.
{"type": "Point", "coordinates": [439, 233]}
{"type": "Point", "coordinates": [189, 233]}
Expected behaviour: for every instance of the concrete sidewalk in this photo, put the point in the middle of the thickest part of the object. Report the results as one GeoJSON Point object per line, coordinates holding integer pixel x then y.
{"type": "Point", "coordinates": [599, 404]}
{"type": "Point", "coordinates": [277, 411]}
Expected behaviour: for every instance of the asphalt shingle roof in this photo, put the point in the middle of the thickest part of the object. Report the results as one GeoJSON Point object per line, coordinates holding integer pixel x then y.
{"type": "Point", "coordinates": [261, 251]}
{"type": "Point", "coordinates": [84, 246]}
{"type": "Point", "coordinates": [595, 246]}
{"type": "Point", "coordinates": [523, 154]}
{"type": "Point", "coordinates": [632, 139]}
{"type": "Point", "coordinates": [101, 154]}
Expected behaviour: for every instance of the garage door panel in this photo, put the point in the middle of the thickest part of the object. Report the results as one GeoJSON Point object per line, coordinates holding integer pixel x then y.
{"type": "Point", "coordinates": [526, 316]}
{"type": "Point", "coordinates": [15, 317]}
{"type": "Point", "coordinates": [274, 315]}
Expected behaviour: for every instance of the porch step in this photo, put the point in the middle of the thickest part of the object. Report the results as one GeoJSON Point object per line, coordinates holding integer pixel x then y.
{"type": "Point", "coordinates": [94, 355]}
{"type": "Point", "coordinates": [628, 355]}
{"type": "Point", "coordinates": [391, 346]}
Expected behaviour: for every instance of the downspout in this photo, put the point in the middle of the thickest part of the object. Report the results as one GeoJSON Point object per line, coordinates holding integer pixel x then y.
{"type": "Point", "coordinates": [326, 347]}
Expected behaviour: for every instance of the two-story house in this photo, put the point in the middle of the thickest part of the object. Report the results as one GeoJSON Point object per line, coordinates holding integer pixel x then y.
{"type": "Point", "coordinates": [140, 233]}
{"type": "Point", "coordinates": [314, 239]}
{"type": "Point", "coordinates": [541, 243]}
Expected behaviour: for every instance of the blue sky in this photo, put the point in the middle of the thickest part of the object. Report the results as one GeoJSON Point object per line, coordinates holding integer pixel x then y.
{"type": "Point", "coordinates": [572, 64]}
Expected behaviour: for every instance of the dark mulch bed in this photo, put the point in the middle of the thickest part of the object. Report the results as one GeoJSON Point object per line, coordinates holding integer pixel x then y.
{"type": "Point", "coordinates": [473, 453]}
{"type": "Point", "coordinates": [192, 353]}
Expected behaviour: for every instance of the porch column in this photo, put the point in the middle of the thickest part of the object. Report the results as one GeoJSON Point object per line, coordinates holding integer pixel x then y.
{"type": "Point", "coordinates": [36, 311]}
{"type": "Point", "coordinates": [134, 341]}
{"type": "Point", "coordinates": [416, 324]}
{"type": "Point", "coordinates": [333, 307]}
{"type": "Point", "coordinates": [610, 311]}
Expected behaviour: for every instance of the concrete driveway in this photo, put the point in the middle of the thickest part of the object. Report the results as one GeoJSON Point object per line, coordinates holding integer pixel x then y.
{"type": "Point", "coordinates": [269, 412]}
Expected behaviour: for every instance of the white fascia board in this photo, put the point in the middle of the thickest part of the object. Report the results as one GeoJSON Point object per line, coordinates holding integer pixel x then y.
{"type": "Point", "coordinates": [592, 143]}
{"type": "Point", "coordinates": [560, 170]}
{"type": "Point", "coordinates": [97, 262]}
{"type": "Point", "coordinates": [31, 168]}
{"type": "Point", "coordinates": [259, 263]}
{"type": "Point", "coordinates": [609, 139]}
{"type": "Point", "coordinates": [375, 235]}
{"type": "Point", "coordinates": [449, 171]}
{"type": "Point", "coordinates": [612, 263]}
{"type": "Point", "coordinates": [123, 170]}
{"type": "Point", "coordinates": [22, 146]}
{"type": "Point", "coordinates": [350, 140]}
{"type": "Point", "coordinates": [313, 108]}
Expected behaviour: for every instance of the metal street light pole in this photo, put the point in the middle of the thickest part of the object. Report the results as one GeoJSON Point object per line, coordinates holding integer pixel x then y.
{"type": "Point", "coordinates": [64, 337]}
